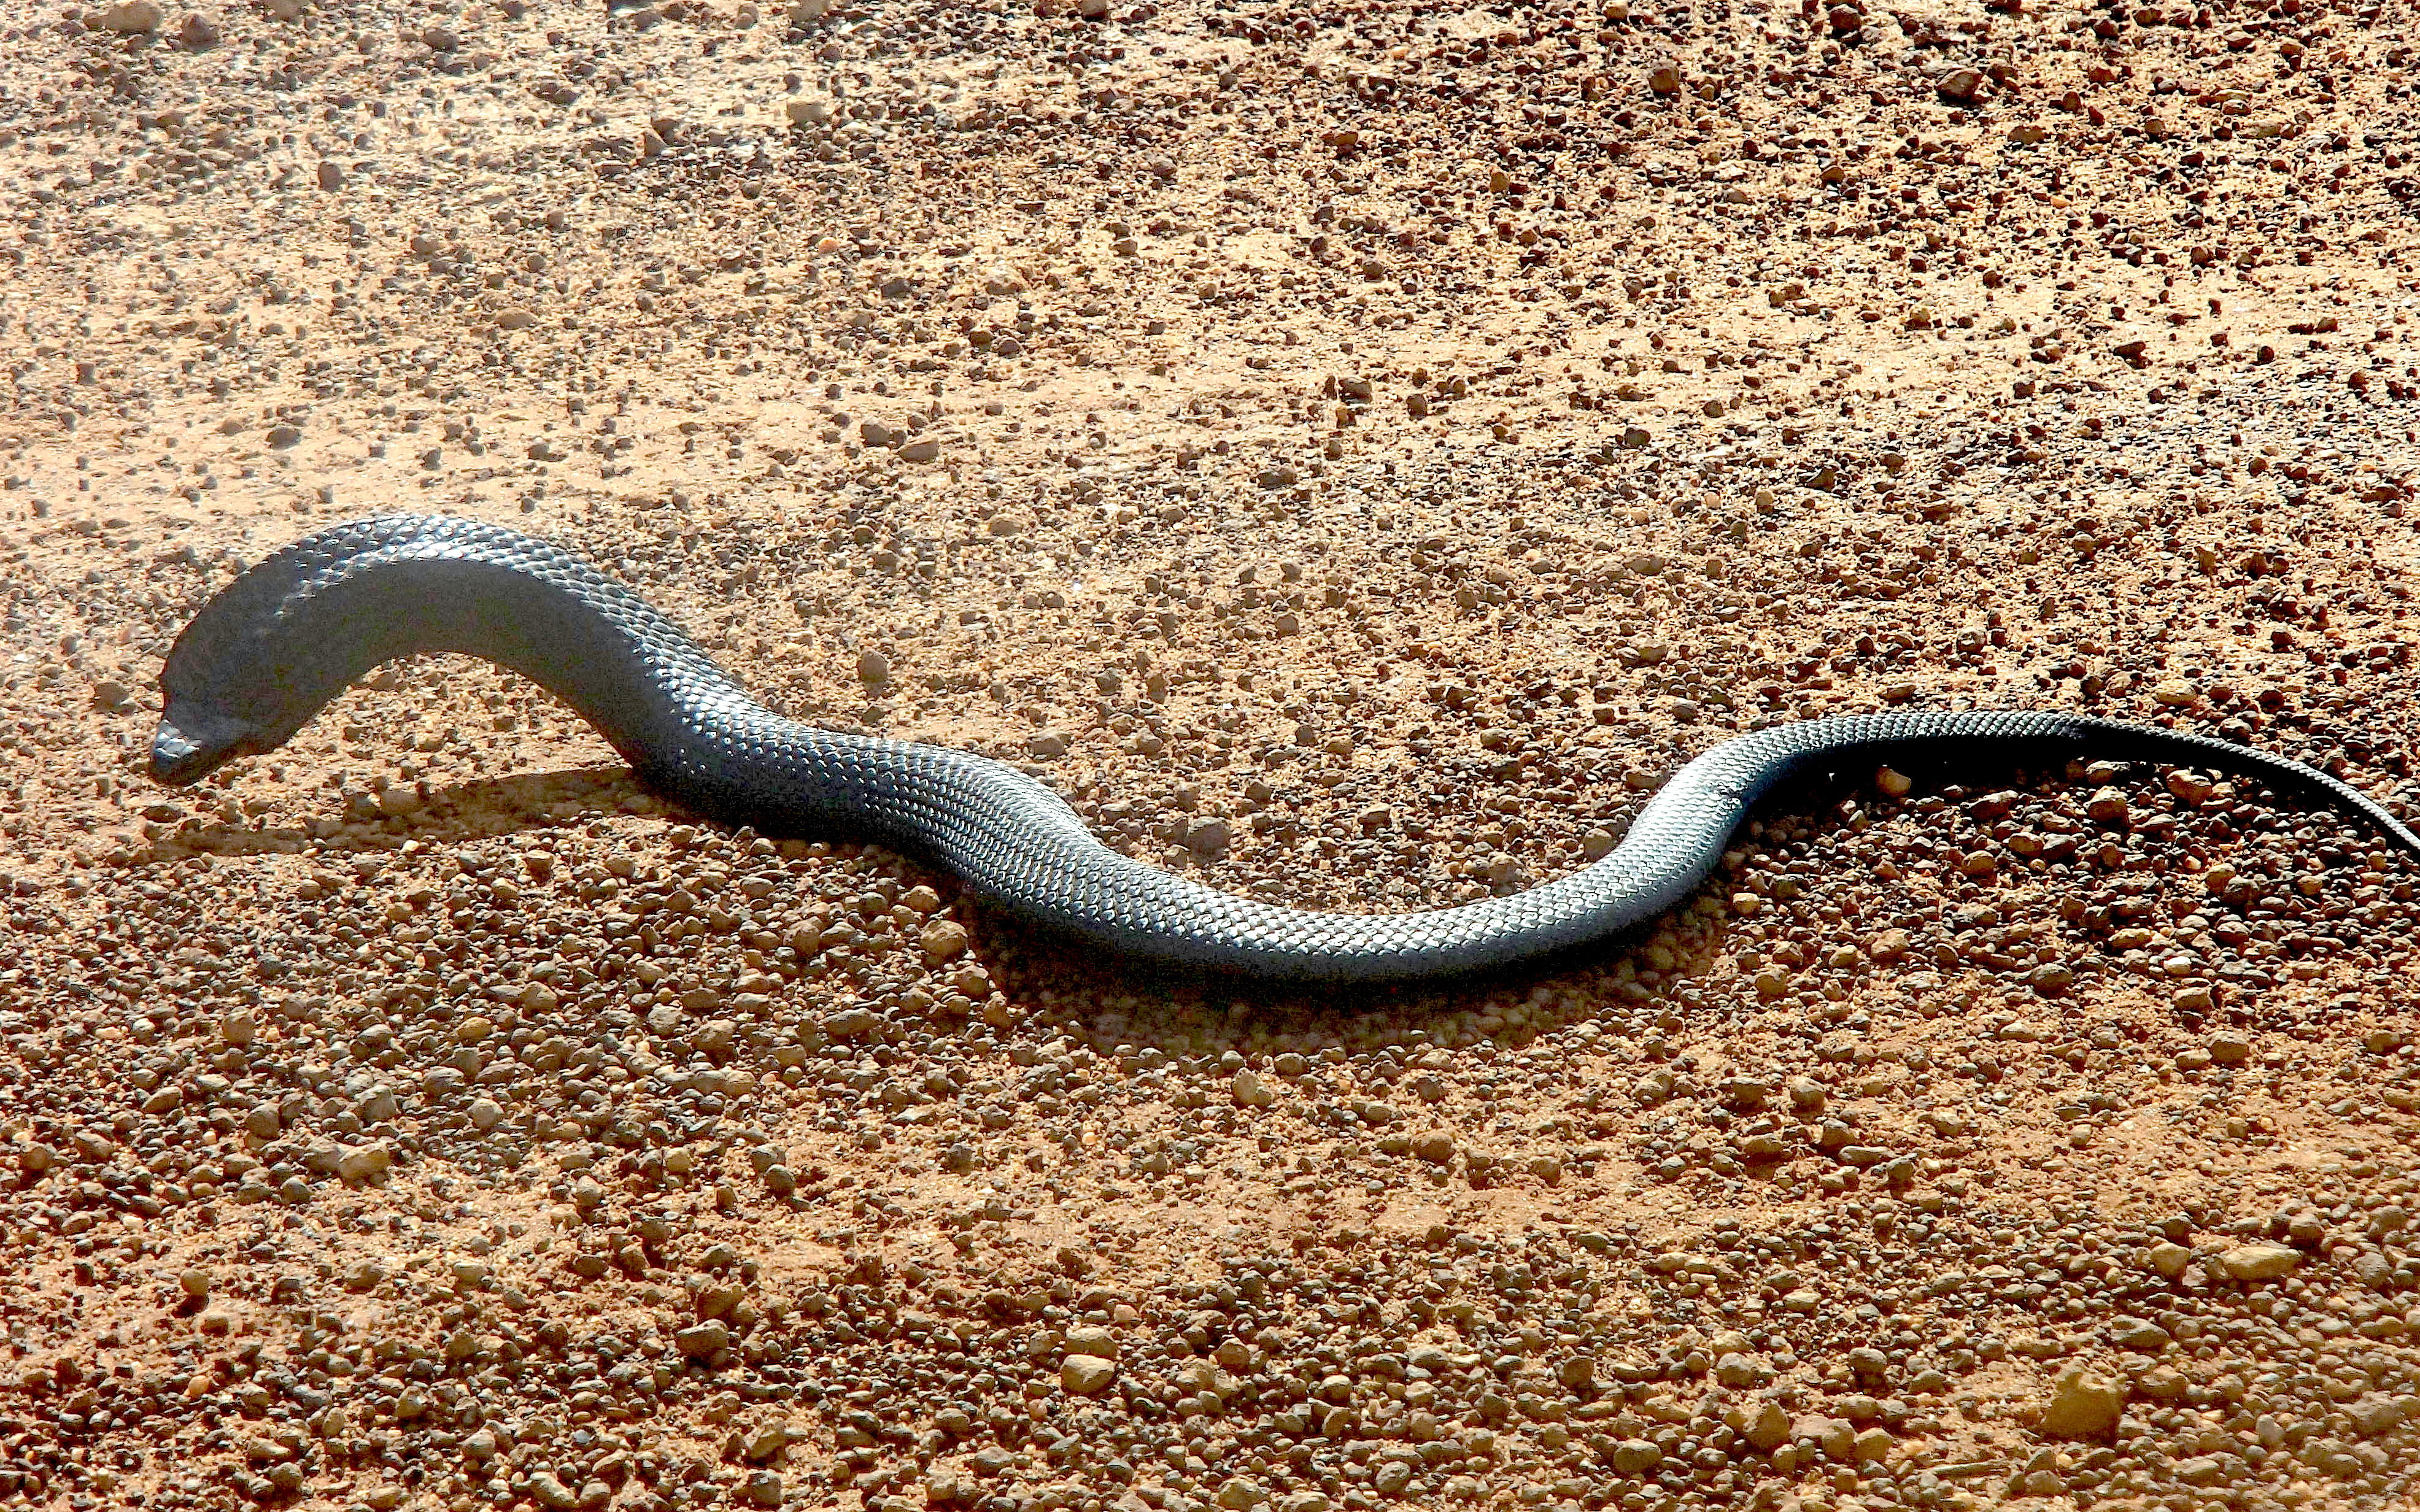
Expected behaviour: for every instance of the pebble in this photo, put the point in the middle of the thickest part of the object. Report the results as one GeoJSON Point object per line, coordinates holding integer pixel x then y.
{"type": "Point", "coordinates": [765, 1137]}
{"type": "Point", "coordinates": [1091, 1339]}
{"type": "Point", "coordinates": [131, 18]}
{"type": "Point", "coordinates": [701, 1341]}
{"type": "Point", "coordinates": [943, 940]}
{"type": "Point", "coordinates": [2108, 805]}
{"type": "Point", "coordinates": [1961, 85]}
{"type": "Point", "coordinates": [2082, 1406]}
{"type": "Point", "coordinates": [2259, 1262]}
{"type": "Point", "coordinates": [1087, 1374]}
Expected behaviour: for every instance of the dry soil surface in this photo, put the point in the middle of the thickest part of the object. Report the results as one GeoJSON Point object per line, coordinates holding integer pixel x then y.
{"type": "Point", "coordinates": [1353, 451]}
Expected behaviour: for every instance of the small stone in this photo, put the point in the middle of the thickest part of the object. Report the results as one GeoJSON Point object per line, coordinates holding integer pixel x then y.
{"type": "Point", "coordinates": [548, 1491]}
{"type": "Point", "coordinates": [438, 39]}
{"type": "Point", "coordinates": [2138, 1334]}
{"type": "Point", "coordinates": [1250, 1092]}
{"type": "Point", "coordinates": [1892, 784]}
{"type": "Point", "coordinates": [196, 1282]}
{"type": "Point", "coordinates": [763, 1488]}
{"type": "Point", "coordinates": [237, 1029]}
{"type": "Point", "coordinates": [486, 1113]}
{"type": "Point", "coordinates": [360, 1164]}
{"type": "Point", "coordinates": [704, 1341]}
{"type": "Point", "coordinates": [1435, 1145]}
{"type": "Point", "coordinates": [943, 940]}
{"type": "Point", "coordinates": [873, 667]}
{"type": "Point", "coordinates": [131, 18]}
{"type": "Point", "coordinates": [2108, 807]}
{"type": "Point", "coordinates": [1092, 1339]}
{"type": "Point", "coordinates": [2082, 1406]}
{"type": "Point", "coordinates": [1960, 86]}
{"type": "Point", "coordinates": [199, 32]}
{"type": "Point", "coordinates": [2169, 1261]}
{"type": "Point", "coordinates": [2260, 1262]}
{"type": "Point", "coordinates": [2373, 1414]}
{"type": "Point", "coordinates": [332, 178]}
{"type": "Point", "coordinates": [1087, 1374]}
{"type": "Point", "coordinates": [1636, 1457]}
{"type": "Point", "coordinates": [2229, 1049]}
{"type": "Point", "coordinates": [2175, 693]}
{"type": "Point", "coordinates": [1766, 1426]}
{"type": "Point", "coordinates": [1208, 839]}
{"type": "Point", "coordinates": [1241, 1495]}
{"type": "Point", "coordinates": [1746, 1094]}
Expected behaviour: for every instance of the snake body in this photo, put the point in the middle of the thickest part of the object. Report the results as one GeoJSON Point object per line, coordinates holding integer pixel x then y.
{"type": "Point", "coordinates": [289, 634]}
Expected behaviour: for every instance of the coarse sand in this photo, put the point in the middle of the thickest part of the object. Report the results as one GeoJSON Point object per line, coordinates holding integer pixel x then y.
{"type": "Point", "coordinates": [1355, 452]}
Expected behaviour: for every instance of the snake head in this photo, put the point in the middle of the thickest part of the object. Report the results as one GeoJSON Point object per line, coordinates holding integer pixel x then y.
{"type": "Point", "coordinates": [224, 690]}
{"type": "Point", "coordinates": [192, 742]}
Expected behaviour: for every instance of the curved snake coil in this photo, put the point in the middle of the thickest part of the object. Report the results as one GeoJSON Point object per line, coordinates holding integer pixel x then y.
{"type": "Point", "coordinates": [288, 635]}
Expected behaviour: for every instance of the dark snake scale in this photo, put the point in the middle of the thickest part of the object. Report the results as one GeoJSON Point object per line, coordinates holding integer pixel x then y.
{"type": "Point", "coordinates": [290, 634]}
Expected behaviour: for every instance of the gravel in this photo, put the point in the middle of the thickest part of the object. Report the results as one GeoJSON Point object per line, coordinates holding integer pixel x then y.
{"type": "Point", "coordinates": [1318, 453]}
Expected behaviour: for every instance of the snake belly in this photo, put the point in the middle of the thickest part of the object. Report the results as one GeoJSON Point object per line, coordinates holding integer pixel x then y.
{"type": "Point", "coordinates": [292, 632]}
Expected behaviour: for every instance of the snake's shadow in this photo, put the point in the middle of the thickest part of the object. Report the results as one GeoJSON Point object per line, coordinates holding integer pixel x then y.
{"type": "Point", "coordinates": [477, 810]}
{"type": "Point", "coordinates": [1029, 962]}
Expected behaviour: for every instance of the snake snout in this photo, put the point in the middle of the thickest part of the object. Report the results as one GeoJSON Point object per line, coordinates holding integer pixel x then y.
{"type": "Point", "coordinates": [186, 750]}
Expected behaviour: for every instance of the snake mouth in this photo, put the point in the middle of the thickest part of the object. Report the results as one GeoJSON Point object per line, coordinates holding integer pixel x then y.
{"type": "Point", "coordinates": [185, 749]}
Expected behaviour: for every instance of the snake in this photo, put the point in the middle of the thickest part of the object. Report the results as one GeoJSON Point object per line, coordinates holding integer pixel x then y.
{"type": "Point", "coordinates": [289, 634]}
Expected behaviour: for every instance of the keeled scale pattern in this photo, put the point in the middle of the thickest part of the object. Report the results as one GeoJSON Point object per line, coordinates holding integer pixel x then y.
{"type": "Point", "coordinates": [322, 610]}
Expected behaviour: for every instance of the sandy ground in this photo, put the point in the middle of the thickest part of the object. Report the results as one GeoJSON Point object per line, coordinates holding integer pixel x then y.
{"type": "Point", "coordinates": [1354, 452]}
